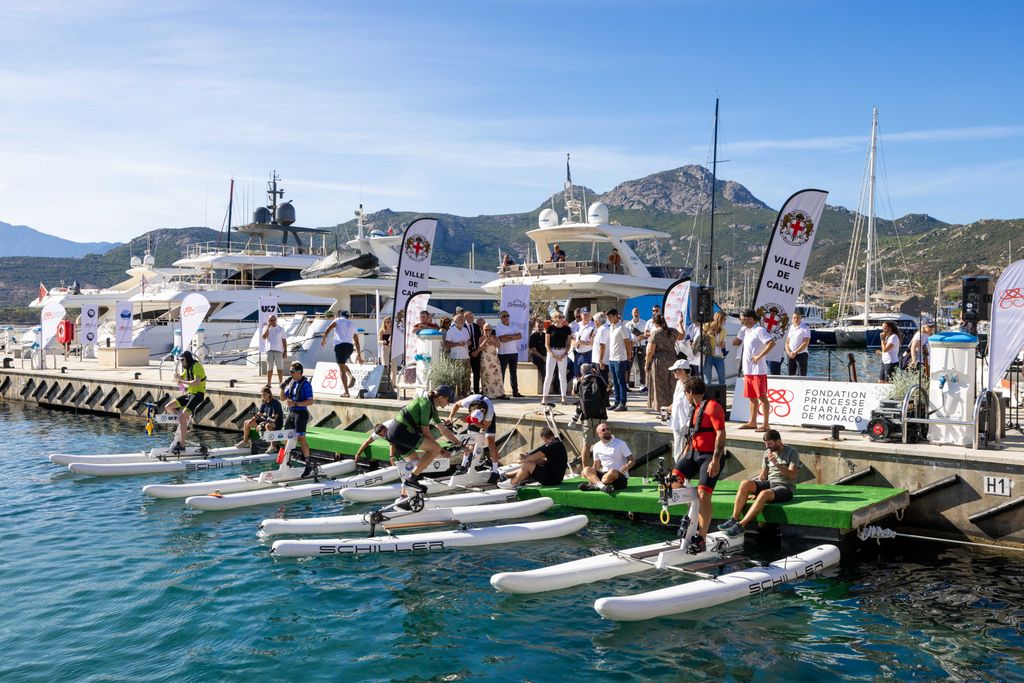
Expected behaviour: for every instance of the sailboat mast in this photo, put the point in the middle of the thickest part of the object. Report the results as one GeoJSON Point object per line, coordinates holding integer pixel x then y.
{"type": "Point", "coordinates": [871, 216]}
{"type": "Point", "coordinates": [231, 203]}
{"type": "Point", "coordinates": [714, 175]}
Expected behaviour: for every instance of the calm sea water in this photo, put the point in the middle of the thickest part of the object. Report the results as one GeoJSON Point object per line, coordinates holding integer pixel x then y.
{"type": "Point", "coordinates": [100, 583]}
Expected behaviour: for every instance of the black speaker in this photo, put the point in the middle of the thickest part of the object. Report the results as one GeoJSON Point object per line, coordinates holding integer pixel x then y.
{"type": "Point", "coordinates": [977, 298]}
{"type": "Point", "coordinates": [705, 308]}
{"type": "Point", "coordinates": [716, 392]}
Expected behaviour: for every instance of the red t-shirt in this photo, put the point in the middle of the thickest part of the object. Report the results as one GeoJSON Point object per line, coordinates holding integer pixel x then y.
{"type": "Point", "coordinates": [714, 419]}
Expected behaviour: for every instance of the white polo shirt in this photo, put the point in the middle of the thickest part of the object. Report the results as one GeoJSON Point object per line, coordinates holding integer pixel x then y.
{"type": "Point", "coordinates": [797, 335]}
{"type": "Point", "coordinates": [601, 337]}
{"type": "Point", "coordinates": [501, 330]}
{"type": "Point", "coordinates": [455, 336]}
{"type": "Point", "coordinates": [617, 336]}
{"type": "Point", "coordinates": [585, 337]}
{"type": "Point", "coordinates": [754, 340]}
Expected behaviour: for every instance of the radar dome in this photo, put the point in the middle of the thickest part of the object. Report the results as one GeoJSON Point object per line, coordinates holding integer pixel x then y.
{"type": "Point", "coordinates": [597, 214]}
{"type": "Point", "coordinates": [548, 218]}
{"type": "Point", "coordinates": [378, 233]}
{"type": "Point", "coordinates": [286, 214]}
{"type": "Point", "coordinates": [149, 260]}
{"type": "Point", "coordinates": [261, 216]}
{"type": "Point", "coordinates": [136, 262]}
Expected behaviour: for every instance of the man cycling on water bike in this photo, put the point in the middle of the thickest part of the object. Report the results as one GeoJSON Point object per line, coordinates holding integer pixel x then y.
{"type": "Point", "coordinates": [410, 435]}
{"type": "Point", "coordinates": [193, 378]}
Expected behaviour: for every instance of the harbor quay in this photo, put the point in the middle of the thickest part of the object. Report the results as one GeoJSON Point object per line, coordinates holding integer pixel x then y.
{"type": "Point", "coordinates": [951, 492]}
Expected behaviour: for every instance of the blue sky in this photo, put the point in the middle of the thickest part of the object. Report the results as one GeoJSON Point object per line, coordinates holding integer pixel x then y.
{"type": "Point", "coordinates": [120, 117]}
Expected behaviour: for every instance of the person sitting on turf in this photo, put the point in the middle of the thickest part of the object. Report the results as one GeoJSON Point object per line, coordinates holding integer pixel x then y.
{"type": "Point", "coordinates": [702, 454]}
{"type": "Point", "coordinates": [481, 418]}
{"type": "Point", "coordinates": [379, 431]}
{"type": "Point", "coordinates": [776, 483]}
{"type": "Point", "coordinates": [545, 464]}
{"type": "Point", "coordinates": [269, 418]}
{"type": "Point", "coordinates": [411, 437]}
{"type": "Point", "coordinates": [615, 459]}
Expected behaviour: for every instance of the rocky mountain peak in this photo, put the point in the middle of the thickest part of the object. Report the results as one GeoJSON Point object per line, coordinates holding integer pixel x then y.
{"type": "Point", "coordinates": [680, 190]}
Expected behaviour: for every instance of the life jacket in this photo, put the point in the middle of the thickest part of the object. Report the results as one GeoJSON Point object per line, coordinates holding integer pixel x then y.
{"type": "Point", "coordinates": [695, 422]}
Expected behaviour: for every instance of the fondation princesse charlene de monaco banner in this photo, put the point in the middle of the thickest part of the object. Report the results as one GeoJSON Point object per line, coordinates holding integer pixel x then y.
{"type": "Point", "coordinates": [785, 262]}
{"type": "Point", "coordinates": [413, 276]}
{"type": "Point", "coordinates": [1006, 334]}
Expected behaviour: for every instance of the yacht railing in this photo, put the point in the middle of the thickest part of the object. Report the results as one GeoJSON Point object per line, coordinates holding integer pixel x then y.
{"type": "Point", "coordinates": [219, 248]}
{"type": "Point", "coordinates": [561, 268]}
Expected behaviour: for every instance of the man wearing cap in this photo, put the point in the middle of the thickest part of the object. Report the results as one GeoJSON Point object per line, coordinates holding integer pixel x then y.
{"type": "Point", "coordinates": [345, 341]}
{"type": "Point", "coordinates": [681, 410]}
{"type": "Point", "coordinates": [583, 341]}
{"type": "Point", "coordinates": [277, 348]}
{"type": "Point", "coordinates": [508, 352]}
{"type": "Point", "coordinates": [410, 435]}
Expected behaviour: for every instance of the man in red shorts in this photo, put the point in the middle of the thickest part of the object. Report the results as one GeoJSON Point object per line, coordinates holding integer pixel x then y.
{"type": "Point", "coordinates": [757, 344]}
{"type": "Point", "coordinates": [702, 454]}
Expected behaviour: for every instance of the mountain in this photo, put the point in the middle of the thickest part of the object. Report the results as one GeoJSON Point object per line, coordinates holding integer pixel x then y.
{"type": "Point", "coordinates": [21, 240]}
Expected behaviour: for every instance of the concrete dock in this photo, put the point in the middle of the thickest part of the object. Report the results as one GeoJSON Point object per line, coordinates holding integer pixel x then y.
{"type": "Point", "coordinates": [955, 492]}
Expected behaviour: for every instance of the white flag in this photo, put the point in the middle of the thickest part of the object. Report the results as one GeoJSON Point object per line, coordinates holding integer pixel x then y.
{"type": "Point", "coordinates": [785, 262]}
{"type": "Point", "coordinates": [413, 275]}
{"type": "Point", "coordinates": [194, 308]}
{"type": "Point", "coordinates": [516, 300]}
{"type": "Point", "coordinates": [50, 317]}
{"type": "Point", "coordinates": [1006, 334]}
{"type": "Point", "coordinates": [90, 324]}
{"type": "Point", "coordinates": [123, 326]}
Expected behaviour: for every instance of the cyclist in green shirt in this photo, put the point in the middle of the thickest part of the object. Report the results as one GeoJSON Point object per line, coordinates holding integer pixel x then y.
{"type": "Point", "coordinates": [193, 379]}
{"type": "Point", "coordinates": [410, 435]}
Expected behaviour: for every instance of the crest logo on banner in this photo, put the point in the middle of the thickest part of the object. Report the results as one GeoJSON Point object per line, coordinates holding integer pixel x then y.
{"type": "Point", "coordinates": [417, 247]}
{"type": "Point", "coordinates": [1010, 298]}
{"type": "Point", "coordinates": [774, 318]}
{"type": "Point", "coordinates": [1006, 331]}
{"type": "Point", "coordinates": [796, 228]}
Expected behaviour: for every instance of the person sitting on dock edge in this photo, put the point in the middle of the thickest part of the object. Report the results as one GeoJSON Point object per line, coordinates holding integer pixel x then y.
{"type": "Point", "coordinates": [297, 393]}
{"type": "Point", "coordinates": [776, 483]}
{"type": "Point", "coordinates": [411, 437]}
{"type": "Point", "coordinates": [615, 459]}
{"type": "Point", "coordinates": [483, 422]}
{"type": "Point", "coordinates": [193, 379]}
{"type": "Point", "coordinates": [702, 454]}
{"type": "Point", "coordinates": [545, 464]}
{"type": "Point", "coordinates": [269, 417]}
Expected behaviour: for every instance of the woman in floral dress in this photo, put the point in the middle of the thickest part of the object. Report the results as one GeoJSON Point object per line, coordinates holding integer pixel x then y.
{"type": "Point", "coordinates": [491, 385]}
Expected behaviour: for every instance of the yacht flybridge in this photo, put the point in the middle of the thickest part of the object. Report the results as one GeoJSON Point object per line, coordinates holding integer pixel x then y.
{"type": "Point", "coordinates": [590, 274]}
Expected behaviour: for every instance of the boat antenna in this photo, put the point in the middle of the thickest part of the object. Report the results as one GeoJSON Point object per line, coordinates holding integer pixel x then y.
{"type": "Point", "coordinates": [573, 208]}
{"type": "Point", "coordinates": [359, 222]}
{"type": "Point", "coordinates": [714, 175]}
{"type": "Point", "coordinates": [273, 193]}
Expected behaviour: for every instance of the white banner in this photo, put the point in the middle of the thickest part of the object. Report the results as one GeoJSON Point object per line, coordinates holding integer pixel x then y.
{"type": "Point", "coordinates": [676, 303]}
{"type": "Point", "coordinates": [785, 262]}
{"type": "Point", "coordinates": [327, 380]}
{"type": "Point", "coordinates": [50, 317]}
{"type": "Point", "coordinates": [800, 401]}
{"type": "Point", "coordinates": [516, 300]}
{"type": "Point", "coordinates": [194, 308]}
{"type": "Point", "coordinates": [415, 306]}
{"type": "Point", "coordinates": [268, 307]}
{"type": "Point", "coordinates": [1006, 334]}
{"type": "Point", "coordinates": [413, 274]}
{"type": "Point", "coordinates": [123, 326]}
{"type": "Point", "coordinates": [89, 331]}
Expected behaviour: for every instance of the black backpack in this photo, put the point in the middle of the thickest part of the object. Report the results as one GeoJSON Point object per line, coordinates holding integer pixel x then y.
{"type": "Point", "coordinates": [593, 395]}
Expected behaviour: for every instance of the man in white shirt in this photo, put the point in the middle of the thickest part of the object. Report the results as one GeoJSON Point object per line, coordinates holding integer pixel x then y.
{"type": "Point", "coordinates": [681, 410]}
{"type": "Point", "coordinates": [620, 354]}
{"type": "Point", "coordinates": [757, 344]}
{"type": "Point", "coordinates": [611, 461]}
{"type": "Point", "coordinates": [508, 351]}
{"type": "Point", "coordinates": [276, 340]}
{"type": "Point", "coordinates": [798, 338]}
{"type": "Point", "coordinates": [599, 357]}
{"type": "Point", "coordinates": [457, 341]}
{"type": "Point", "coordinates": [636, 326]}
{"type": "Point", "coordinates": [583, 341]}
{"type": "Point", "coordinates": [345, 341]}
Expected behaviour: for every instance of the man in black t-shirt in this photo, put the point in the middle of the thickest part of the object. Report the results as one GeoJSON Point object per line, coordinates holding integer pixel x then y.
{"type": "Point", "coordinates": [545, 464]}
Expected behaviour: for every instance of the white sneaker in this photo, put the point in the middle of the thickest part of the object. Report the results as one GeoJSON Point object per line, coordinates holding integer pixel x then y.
{"type": "Point", "coordinates": [507, 485]}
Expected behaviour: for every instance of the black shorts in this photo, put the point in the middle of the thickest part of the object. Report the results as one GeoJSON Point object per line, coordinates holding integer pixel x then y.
{"type": "Point", "coordinates": [297, 420]}
{"type": "Point", "coordinates": [782, 493]}
{"type": "Point", "coordinates": [190, 402]}
{"type": "Point", "coordinates": [695, 464]}
{"type": "Point", "coordinates": [547, 476]}
{"type": "Point", "coordinates": [491, 430]}
{"type": "Point", "coordinates": [619, 483]}
{"type": "Point", "coordinates": [402, 439]}
{"type": "Point", "coordinates": [342, 352]}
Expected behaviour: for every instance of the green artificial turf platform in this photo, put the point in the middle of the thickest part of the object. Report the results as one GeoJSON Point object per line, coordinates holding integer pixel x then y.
{"type": "Point", "coordinates": [343, 442]}
{"type": "Point", "coordinates": [814, 505]}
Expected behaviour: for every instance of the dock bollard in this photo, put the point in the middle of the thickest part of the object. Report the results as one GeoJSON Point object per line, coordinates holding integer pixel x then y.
{"type": "Point", "coordinates": [64, 370]}
{"type": "Point", "coordinates": [835, 432]}
{"type": "Point", "coordinates": [231, 383]}
{"type": "Point", "coordinates": [138, 375]}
